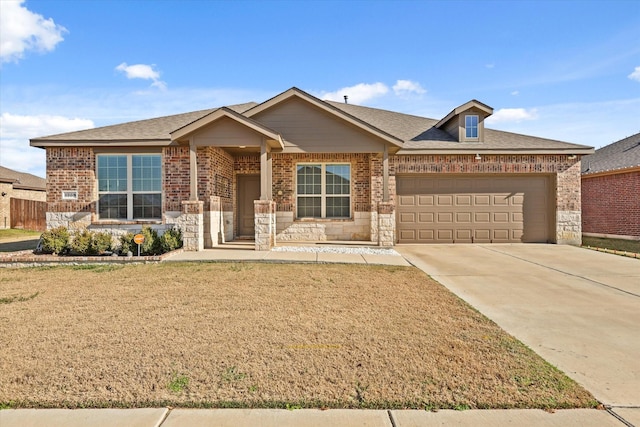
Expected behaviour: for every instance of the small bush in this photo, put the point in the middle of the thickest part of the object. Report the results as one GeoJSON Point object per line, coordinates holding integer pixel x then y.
{"type": "Point", "coordinates": [151, 245]}
{"type": "Point", "coordinates": [81, 243]}
{"type": "Point", "coordinates": [127, 244]}
{"type": "Point", "coordinates": [171, 240]}
{"type": "Point", "coordinates": [86, 242]}
{"type": "Point", "coordinates": [101, 243]}
{"type": "Point", "coordinates": [55, 241]}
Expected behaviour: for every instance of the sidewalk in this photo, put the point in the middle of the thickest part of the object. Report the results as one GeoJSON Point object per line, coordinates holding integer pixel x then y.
{"type": "Point", "coordinates": [164, 417]}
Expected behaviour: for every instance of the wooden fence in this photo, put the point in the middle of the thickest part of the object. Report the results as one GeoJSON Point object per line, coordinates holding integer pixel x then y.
{"type": "Point", "coordinates": [28, 214]}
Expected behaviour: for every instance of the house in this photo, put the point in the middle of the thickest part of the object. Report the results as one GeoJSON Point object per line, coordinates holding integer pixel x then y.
{"type": "Point", "coordinates": [21, 190]}
{"type": "Point", "coordinates": [299, 168]}
{"type": "Point", "coordinates": [611, 190]}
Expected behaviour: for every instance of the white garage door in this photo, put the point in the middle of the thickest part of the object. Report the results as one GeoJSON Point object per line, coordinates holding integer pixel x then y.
{"type": "Point", "coordinates": [473, 209]}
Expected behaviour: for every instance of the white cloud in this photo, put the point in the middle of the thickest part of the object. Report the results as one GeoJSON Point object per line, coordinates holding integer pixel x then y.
{"type": "Point", "coordinates": [515, 93]}
{"type": "Point", "coordinates": [22, 30]}
{"type": "Point", "coordinates": [406, 87]}
{"type": "Point", "coordinates": [357, 94]}
{"type": "Point", "coordinates": [512, 115]}
{"type": "Point", "coordinates": [142, 71]}
{"type": "Point", "coordinates": [635, 75]}
{"type": "Point", "coordinates": [16, 130]}
{"type": "Point", "coordinates": [489, 66]}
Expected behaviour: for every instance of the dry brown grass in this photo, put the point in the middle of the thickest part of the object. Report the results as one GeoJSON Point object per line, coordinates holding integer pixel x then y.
{"type": "Point", "coordinates": [259, 335]}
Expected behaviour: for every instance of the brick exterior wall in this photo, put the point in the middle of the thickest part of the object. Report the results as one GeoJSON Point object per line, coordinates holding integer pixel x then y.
{"type": "Point", "coordinates": [175, 185]}
{"type": "Point", "coordinates": [611, 204]}
{"type": "Point", "coordinates": [71, 168]}
{"type": "Point", "coordinates": [284, 177]}
{"type": "Point", "coordinates": [215, 175]}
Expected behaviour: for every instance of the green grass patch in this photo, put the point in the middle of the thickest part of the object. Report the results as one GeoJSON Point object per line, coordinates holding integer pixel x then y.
{"type": "Point", "coordinates": [18, 234]}
{"type": "Point", "coordinates": [612, 244]}
{"type": "Point", "coordinates": [18, 298]}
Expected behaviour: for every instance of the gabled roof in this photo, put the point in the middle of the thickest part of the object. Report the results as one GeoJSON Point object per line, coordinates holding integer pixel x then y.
{"type": "Point", "coordinates": [326, 106]}
{"type": "Point", "coordinates": [237, 117]}
{"type": "Point", "coordinates": [465, 107]}
{"type": "Point", "coordinates": [22, 180]}
{"type": "Point", "coordinates": [618, 156]}
{"type": "Point", "coordinates": [409, 134]}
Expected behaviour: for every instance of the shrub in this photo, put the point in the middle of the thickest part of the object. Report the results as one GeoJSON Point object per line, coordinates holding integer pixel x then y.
{"type": "Point", "coordinates": [171, 240]}
{"type": "Point", "coordinates": [127, 244]}
{"type": "Point", "coordinates": [151, 245]}
{"type": "Point", "coordinates": [55, 241]}
{"type": "Point", "coordinates": [101, 243]}
{"type": "Point", "coordinates": [81, 242]}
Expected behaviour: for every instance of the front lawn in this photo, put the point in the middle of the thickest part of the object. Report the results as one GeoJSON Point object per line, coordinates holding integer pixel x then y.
{"type": "Point", "coordinates": [621, 245]}
{"type": "Point", "coordinates": [259, 335]}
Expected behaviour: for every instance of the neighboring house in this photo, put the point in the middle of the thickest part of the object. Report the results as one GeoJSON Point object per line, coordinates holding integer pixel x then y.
{"type": "Point", "coordinates": [299, 168]}
{"type": "Point", "coordinates": [19, 186]}
{"type": "Point", "coordinates": [611, 190]}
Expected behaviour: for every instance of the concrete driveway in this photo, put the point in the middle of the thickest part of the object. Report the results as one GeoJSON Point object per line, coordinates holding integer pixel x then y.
{"type": "Point", "coordinates": [579, 309]}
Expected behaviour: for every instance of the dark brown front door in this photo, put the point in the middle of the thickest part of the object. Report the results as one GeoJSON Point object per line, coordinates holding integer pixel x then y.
{"type": "Point", "coordinates": [248, 191]}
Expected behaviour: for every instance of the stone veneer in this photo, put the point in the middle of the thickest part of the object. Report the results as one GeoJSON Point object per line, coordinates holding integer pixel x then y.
{"type": "Point", "coordinates": [265, 224]}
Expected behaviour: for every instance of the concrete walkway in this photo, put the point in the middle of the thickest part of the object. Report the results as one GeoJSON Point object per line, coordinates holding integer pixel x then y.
{"type": "Point", "coordinates": [577, 308]}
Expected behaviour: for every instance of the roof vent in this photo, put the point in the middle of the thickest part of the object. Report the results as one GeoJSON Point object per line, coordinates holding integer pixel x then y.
{"type": "Point", "coordinates": [346, 99]}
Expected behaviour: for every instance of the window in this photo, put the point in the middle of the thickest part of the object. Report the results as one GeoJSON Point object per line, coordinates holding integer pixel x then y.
{"type": "Point", "coordinates": [324, 190]}
{"type": "Point", "coordinates": [471, 126]}
{"type": "Point", "coordinates": [129, 186]}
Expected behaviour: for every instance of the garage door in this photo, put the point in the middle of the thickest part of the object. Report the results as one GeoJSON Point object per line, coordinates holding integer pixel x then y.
{"type": "Point", "coordinates": [473, 209]}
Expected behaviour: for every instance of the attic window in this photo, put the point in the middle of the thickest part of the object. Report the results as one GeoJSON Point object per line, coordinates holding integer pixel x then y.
{"type": "Point", "coordinates": [471, 126]}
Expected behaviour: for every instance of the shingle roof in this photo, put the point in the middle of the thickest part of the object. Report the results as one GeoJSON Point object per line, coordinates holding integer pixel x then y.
{"type": "Point", "coordinates": [619, 155]}
{"type": "Point", "coordinates": [418, 133]}
{"type": "Point", "coordinates": [22, 180]}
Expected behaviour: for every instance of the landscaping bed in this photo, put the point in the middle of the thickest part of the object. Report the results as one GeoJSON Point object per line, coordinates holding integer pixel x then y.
{"type": "Point", "coordinates": [259, 335]}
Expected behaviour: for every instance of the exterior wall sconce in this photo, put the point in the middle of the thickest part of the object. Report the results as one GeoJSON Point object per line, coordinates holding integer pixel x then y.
{"type": "Point", "coordinates": [571, 156]}
{"type": "Point", "coordinates": [478, 157]}
{"type": "Point", "coordinates": [4, 194]}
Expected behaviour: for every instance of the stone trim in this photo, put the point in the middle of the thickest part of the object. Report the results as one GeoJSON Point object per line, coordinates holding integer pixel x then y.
{"type": "Point", "coordinates": [265, 224]}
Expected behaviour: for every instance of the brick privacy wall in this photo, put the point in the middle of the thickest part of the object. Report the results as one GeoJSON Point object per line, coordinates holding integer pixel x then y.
{"type": "Point", "coordinates": [175, 183]}
{"type": "Point", "coordinates": [215, 175]}
{"type": "Point", "coordinates": [71, 168]}
{"type": "Point", "coordinates": [611, 204]}
{"type": "Point", "coordinates": [284, 177]}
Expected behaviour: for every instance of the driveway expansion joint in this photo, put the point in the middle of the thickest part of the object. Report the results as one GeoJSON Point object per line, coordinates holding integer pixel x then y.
{"type": "Point", "coordinates": [618, 417]}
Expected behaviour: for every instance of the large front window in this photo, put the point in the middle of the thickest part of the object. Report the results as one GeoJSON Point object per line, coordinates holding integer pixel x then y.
{"type": "Point", "coordinates": [324, 190]}
{"type": "Point", "coordinates": [129, 186]}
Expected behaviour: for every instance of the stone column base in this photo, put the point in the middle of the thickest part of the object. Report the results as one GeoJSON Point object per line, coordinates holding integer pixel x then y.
{"type": "Point", "coordinates": [265, 223]}
{"type": "Point", "coordinates": [386, 224]}
{"type": "Point", "coordinates": [191, 223]}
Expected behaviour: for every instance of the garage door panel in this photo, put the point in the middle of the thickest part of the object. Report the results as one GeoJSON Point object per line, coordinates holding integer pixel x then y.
{"type": "Point", "coordinates": [473, 209]}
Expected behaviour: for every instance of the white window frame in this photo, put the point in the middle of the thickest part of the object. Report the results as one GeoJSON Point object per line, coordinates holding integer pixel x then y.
{"type": "Point", "coordinates": [476, 127]}
{"type": "Point", "coordinates": [129, 192]}
{"type": "Point", "coordinates": [323, 190]}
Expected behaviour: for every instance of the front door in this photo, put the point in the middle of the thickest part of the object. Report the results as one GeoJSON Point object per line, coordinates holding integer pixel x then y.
{"type": "Point", "coordinates": [248, 191]}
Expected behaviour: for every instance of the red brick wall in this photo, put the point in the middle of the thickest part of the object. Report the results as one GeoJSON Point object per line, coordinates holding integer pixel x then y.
{"type": "Point", "coordinates": [611, 204]}
{"type": "Point", "coordinates": [71, 168]}
{"type": "Point", "coordinates": [284, 177]}
{"type": "Point", "coordinates": [215, 175]}
{"type": "Point", "coordinates": [175, 184]}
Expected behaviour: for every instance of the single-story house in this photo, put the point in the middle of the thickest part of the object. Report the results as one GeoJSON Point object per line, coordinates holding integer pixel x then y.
{"type": "Point", "coordinates": [611, 190]}
{"type": "Point", "coordinates": [18, 186]}
{"type": "Point", "coordinates": [296, 167]}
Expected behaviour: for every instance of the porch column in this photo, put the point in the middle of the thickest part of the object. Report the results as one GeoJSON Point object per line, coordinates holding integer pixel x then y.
{"type": "Point", "coordinates": [193, 171]}
{"type": "Point", "coordinates": [385, 174]}
{"type": "Point", "coordinates": [265, 171]}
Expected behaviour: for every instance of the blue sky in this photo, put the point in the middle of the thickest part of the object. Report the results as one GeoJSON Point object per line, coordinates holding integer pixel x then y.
{"type": "Point", "coordinates": [567, 70]}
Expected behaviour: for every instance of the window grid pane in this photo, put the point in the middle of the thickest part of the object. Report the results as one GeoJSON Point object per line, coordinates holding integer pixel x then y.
{"type": "Point", "coordinates": [146, 173]}
{"type": "Point", "coordinates": [309, 179]}
{"type": "Point", "coordinates": [113, 206]}
{"type": "Point", "coordinates": [338, 179]}
{"type": "Point", "coordinates": [146, 206]}
{"type": "Point", "coordinates": [471, 126]}
{"type": "Point", "coordinates": [309, 207]}
{"type": "Point", "coordinates": [112, 173]}
{"type": "Point", "coordinates": [338, 207]}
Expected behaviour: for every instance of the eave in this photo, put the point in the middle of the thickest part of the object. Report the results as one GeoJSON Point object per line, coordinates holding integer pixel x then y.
{"type": "Point", "coordinates": [522, 151]}
{"type": "Point", "coordinates": [44, 143]}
